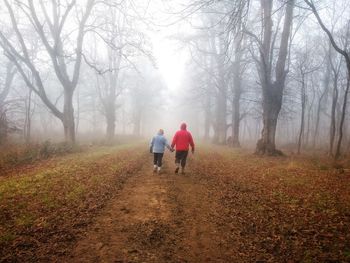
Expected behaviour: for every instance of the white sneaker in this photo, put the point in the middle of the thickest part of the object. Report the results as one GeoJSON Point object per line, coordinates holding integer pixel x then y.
{"type": "Point", "coordinates": [154, 168]}
{"type": "Point", "coordinates": [158, 170]}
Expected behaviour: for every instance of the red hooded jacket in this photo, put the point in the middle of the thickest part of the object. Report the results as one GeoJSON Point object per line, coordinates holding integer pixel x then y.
{"type": "Point", "coordinates": [182, 139]}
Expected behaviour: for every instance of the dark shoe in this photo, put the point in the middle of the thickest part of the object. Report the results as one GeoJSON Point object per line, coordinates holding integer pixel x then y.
{"type": "Point", "coordinates": [177, 170]}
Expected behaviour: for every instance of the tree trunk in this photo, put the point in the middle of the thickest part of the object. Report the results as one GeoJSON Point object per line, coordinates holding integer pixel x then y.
{"type": "Point", "coordinates": [137, 123]}
{"type": "Point", "coordinates": [237, 92]}
{"type": "Point", "coordinates": [303, 104]}
{"type": "Point", "coordinates": [271, 108]}
{"type": "Point", "coordinates": [68, 117]}
{"type": "Point", "coordinates": [221, 110]}
{"type": "Point", "coordinates": [219, 49]}
{"type": "Point", "coordinates": [236, 114]}
{"type": "Point", "coordinates": [207, 119]}
{"type": "Point", "coordinates": [221, 101]}
{"type": "Point", "coordinates": [110, 119]}
{"type": "Point", "coordinates": [272, 91]}
{"type": "Point", "coordinates": [309, 117]}
{"type": "Point", "coordinates": [3, 126]}
{"type": "Point", "coordinates": [77, 115]}
{"type": "Point", "coordinates": [236, 123]}
{"type": "Point", "coordinates": [110, 105]}
{"type": "Point", "coordinates": [323, 97]}
{"type": "Point", "coordinates": [10, 73]}
{"type": "Point", "coordinates": [28, 119]}
{"type": "Point", "coordinates": [333, 114]}
{"type": "Point", "coordinates": [342, 119]}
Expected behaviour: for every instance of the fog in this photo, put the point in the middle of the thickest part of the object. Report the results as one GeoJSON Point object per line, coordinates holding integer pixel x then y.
{"type": "Point", "coordinates": [268, 74]}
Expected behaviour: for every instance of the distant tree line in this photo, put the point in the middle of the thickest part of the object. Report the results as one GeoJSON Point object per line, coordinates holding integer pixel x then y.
{"type": "Point", "coordinates": [268, 62]}
{"type": "Point", "coordinates": [72, 58]}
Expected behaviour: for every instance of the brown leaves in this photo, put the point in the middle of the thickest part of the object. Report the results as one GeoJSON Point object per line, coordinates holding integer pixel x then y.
{"type": "Point", "coordinates": [279, 209]}
{"type": "Point", "coordinates": [42, 213]}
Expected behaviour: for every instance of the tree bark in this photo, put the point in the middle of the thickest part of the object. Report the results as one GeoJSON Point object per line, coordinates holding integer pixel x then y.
{"type": "Point", "coordinates": [272, 91]}
{"type": "Point", "coordinates": [207, 117]}
{"type": "Point", "coordinates": [342, 120]}
{"type": "Point", "coordinates": [68, 116]}
{"type": "Point", "coordinates": [110, 100]}
{"type": "Point", "coordinates": [137, 125]}
{"type": "Point", "coordinates": [218, 46]}
{"type": "Point", "coordinates": [3, 126]}
{"type": "Point", "coordinates": [110, 119]}
{"type": "Point", "coordinates": [28, 118]}
{"type": "Point", "coordinates": [221, 111]}
{"type": "Point", "coordinates": [237, 92]}
{"type": "Point", "coordinates": [10, 73]}
{"type": "Point", "coordinates": [335, 96]}
{"type": "Point", "coordinates": [323, 97]}
{"type": "Point", "coordinates": [303, 105]}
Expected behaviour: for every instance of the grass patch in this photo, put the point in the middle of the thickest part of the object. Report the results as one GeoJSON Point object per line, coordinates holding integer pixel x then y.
{"type": "Point", "coordinates": [323, 202]}
{"type": "Point", "coordinates": [45, 206]}
{"type": "Point", "coordinates": [6, 237]}
{"type": "Point", "coordinates": [76, 193]}
{"type": "Point", "coordinates": [26, 154]}
{"type": "Point", "coordinates": [323, 167]}
{"type": "Point", "coordinates": [24, 220]}
{"type": "Point", "coordinates": [347, 254]}
{"type": "Point", "coordinates": [48, 201]}
{"type": "Point", "coordinates": [281, 197]}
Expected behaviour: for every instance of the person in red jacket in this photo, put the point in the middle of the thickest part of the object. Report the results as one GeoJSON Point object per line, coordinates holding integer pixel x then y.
{"type": "Point", "coordinates": [181, 141]}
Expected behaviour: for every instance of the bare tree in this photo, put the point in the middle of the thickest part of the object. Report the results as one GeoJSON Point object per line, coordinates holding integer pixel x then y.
{"type": "Point", "coordinates": [323, 94]}
{"type": "Point", "coordinates": [346, 55]}
{"type": "Point", "coordinates": [6, 85]}
{"type": "Point", "coordinates": [304, 68]}
{"type": "Point", "coordinates": [4, 91]}
{"type": "Point", "coordinates": [109, 92]}
{"type": "Point", "coordinates": [49, 29]}
{"type": "Point", "coordinates": [237, 72]}
{"type": "Point", "coordinates": [272, 90]}
{"type": "Point", "coordinates": [335, 68]}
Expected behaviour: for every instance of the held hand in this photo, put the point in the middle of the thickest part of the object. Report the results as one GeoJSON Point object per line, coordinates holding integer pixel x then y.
{"type": "Point", "coordinates": [192, 151]}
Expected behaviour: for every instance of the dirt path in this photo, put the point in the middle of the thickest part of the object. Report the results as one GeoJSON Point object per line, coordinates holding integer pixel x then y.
{"type": "Point", "coordinates": [155, 218]}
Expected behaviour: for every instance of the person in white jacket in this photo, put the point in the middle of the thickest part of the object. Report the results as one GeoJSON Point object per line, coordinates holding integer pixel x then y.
{"type": "Point", "coordinates": [157, 147]}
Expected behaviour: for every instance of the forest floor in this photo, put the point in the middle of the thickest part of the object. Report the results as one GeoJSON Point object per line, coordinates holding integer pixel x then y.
{"type": "Point", "coordinates": [230, 206]}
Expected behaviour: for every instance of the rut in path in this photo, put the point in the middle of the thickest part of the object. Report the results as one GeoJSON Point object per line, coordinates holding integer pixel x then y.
{"type": "Point", "coordinates": [154, 218]}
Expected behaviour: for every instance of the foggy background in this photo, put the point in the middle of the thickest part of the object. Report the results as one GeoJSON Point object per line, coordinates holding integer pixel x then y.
{"type": "Point", "coordinates": [97, 70]}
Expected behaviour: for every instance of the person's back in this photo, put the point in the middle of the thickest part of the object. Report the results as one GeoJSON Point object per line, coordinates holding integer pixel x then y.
{"type": "Point", "coordinates": [159, 142]}
{"type": "Point", "coordinates": [158, 145]}
{"type": "Point", "coordinates": [182, 141]}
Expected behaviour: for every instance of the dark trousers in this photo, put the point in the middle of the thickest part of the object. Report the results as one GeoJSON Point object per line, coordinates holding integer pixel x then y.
{"type": "Point", "coordinates": [157, 159]}
{"type": "Point", "coordinates": [181, 157]}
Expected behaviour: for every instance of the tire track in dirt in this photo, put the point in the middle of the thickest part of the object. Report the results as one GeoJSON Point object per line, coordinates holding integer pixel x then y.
{"type": "Point", "coordinates": [155, 218]}
{"type": "Point", "coordinates": [196, 216]}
